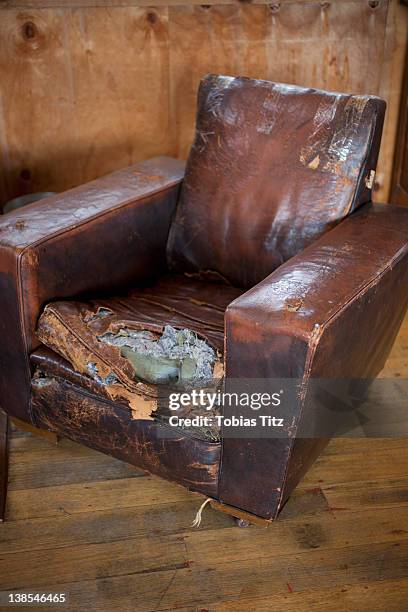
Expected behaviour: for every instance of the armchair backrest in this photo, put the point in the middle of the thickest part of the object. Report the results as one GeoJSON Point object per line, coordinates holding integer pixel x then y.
{"type": "Point", "coordinates": [271, 168]}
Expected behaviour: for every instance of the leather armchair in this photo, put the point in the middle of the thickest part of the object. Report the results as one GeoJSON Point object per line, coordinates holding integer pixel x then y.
{"type": "Point", "coordinates": [270, 230]}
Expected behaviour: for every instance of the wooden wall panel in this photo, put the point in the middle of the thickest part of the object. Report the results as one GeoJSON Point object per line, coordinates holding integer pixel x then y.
{"type": "Point", "coordinates": [395, 45]}
{"type": "Point", "coordinates": [83, 92]}
{"type": "Point", "coordinates": [88, 89]}
{"type": "Point", "coordinates": [37, 130]}
{"type": "Point", "coordinates": [399, 182]}
{"type": "Point", "coordinates": [313, 45]}
{"type": "Point", "coordinates": [229, 40]}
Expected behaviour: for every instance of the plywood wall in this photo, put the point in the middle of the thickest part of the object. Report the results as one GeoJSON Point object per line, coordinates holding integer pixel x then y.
{"type": "Point", "coordinates": [88, 86]}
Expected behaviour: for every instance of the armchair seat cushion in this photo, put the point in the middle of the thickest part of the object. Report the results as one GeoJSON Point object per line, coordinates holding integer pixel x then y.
{"type": "Point", "coordinates": [78, 332]}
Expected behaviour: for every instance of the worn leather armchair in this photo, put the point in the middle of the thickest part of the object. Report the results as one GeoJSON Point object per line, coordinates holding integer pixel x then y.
{"type": "Point", "coordinates": [266, 246]}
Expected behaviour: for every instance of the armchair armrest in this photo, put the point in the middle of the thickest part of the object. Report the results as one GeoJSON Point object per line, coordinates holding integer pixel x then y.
{"type": "Point", "coordinates": [102, 235]}
{"type": "Point", "coordinates": [332, 311]}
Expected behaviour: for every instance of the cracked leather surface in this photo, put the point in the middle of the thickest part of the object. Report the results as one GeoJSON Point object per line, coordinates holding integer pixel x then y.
{"type": "Point", "coordinates": [67, 245]}
{"type": "Point", "coordinates": [72, 329]}
{"type": "Point", "coordinates": [350, 289]}
{"type": "Point", "coordinates": [59, 405]}
{"type": "Point", "coordinates": [271, 168]}
{"type": "Point", "coordinates": [272, 171]}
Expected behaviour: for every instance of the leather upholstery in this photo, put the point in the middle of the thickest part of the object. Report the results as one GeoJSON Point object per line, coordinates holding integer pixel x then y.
{"type": "Point", "coordinates": [297, 323]}
{"type": "Point", "coordinates": [73, 412]}
{"type": "Point", "coordinates": [72, 328]}
{"type": "Point", "coordinates": [332, 311]}
{"type": "Point", "coordinates": [272, 170]}
{"type": "Point", "coordinates": [106, 234]}
{"type": "Point", "coordinates": [272, 167]}
{"type": "Point", "coordinates": [47, 363]}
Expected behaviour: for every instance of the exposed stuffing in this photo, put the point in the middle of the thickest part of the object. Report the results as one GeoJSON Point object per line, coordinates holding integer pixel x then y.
{"type": "Point", "coordinates": [101, 313]}
{"type": "Point", "coordinates": [93, 371]}
{"type": "Point", "coordinates": [177, 356]}
{"type": "Point", "coordinates": [40, 379]}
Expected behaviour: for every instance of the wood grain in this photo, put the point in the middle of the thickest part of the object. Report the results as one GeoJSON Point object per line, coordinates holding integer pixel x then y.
{"type": "Point", "coordinates": [390, 595]}
{"type": "Point", "coordinates": [115, 3]}
{"type": "Point", "coordinates": [49, 435]}
{"type": "Point", "coordinates": [395, 49]}
{"type": "Point", "coordinates": [83, 93]}
{"type": "Point", "coordinates": [87, 86]}
{"type": "Point", "coordinates": [82, 523]}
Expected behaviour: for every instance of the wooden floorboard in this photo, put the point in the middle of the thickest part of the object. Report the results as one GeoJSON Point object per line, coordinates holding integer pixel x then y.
{"type": "Point", "coordinates": [115, 538]}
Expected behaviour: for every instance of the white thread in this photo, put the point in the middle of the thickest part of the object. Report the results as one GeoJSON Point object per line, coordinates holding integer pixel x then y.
{"type": "Point", "coordinates": [197, 520]}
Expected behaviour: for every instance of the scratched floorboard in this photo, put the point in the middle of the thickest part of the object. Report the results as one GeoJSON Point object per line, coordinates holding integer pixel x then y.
{"type": "Point", "coordinates": [114, 538]}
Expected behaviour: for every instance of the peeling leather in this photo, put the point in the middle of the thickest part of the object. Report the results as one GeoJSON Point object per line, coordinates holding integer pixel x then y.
{"type": "Point", "coordinates": [47, 364]}
{"type": "Point", "coordinates": [67, 245]}
{"type": "Point", "coordinates": [72, 328]}
{"type": "Point", "coordinates": [70, 411]}
{"type": "Point", "coordinates": [272, 167]}
{"type": "Point", "coordinates": [353, 287]}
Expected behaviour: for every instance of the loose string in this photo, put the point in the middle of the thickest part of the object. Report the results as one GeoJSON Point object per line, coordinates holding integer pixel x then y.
{"type": "Point", "coordinates": [197, 520]}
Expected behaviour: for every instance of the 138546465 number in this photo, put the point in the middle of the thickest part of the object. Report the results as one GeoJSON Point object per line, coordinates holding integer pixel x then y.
{"type": "Point", "coordinates": [36, 598]}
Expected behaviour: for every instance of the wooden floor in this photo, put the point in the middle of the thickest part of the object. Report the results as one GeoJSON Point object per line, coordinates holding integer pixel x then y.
{"type": "Point", "coordinates": [113, 538]}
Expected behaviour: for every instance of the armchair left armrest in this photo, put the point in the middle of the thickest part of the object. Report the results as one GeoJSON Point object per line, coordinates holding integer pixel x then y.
{"type": "Point", "coordinates": [331, 312]}
{"type": "Point", "coordinates": [100, 236]}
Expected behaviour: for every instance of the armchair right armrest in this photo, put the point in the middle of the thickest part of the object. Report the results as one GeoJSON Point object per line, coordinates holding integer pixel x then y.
{"type": "Point", "coordinates": [331, 312]}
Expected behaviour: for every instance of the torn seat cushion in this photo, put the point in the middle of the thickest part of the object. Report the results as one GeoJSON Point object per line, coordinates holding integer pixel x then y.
{"type": "Point", "coordinates": [77, 408]}
{"type": "Point", "coordinates": [74, 329]}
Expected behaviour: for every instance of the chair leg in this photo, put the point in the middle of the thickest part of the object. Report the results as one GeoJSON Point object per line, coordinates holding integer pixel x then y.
{"type": "Point", "coordinates": [4, 431]}
{"type": "Point", "coordinates": [241, 518]}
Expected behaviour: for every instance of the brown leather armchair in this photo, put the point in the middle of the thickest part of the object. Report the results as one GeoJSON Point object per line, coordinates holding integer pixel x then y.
{"type": "Point", "coordinates": [267, 247]}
